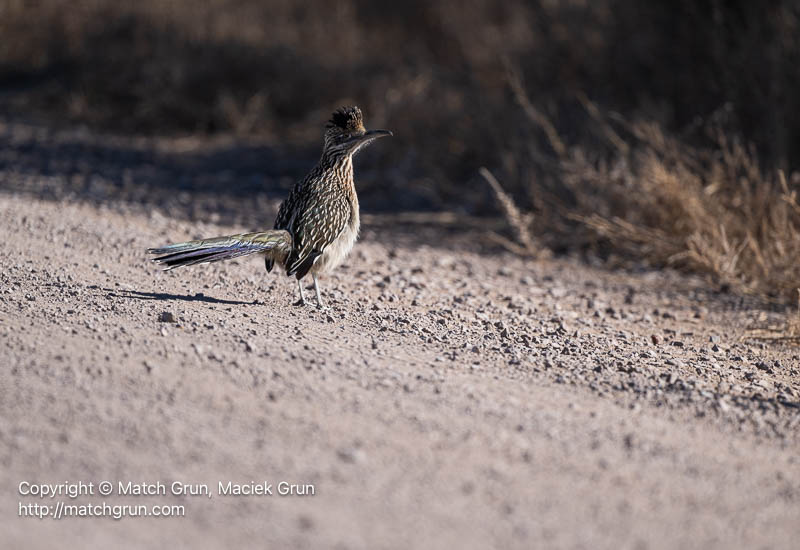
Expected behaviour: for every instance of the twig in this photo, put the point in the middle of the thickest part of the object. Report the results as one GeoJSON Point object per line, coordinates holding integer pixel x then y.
{"type": "Point", "coordinates": [516, 219]}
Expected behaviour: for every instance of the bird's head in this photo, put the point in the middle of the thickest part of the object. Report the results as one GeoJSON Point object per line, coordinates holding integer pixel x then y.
{"type": "Point", "coordinates": [345, 133]}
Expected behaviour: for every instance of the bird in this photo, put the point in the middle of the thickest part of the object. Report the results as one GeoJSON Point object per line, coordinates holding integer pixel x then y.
{"type": "Point", "coordinates": [318, 223]}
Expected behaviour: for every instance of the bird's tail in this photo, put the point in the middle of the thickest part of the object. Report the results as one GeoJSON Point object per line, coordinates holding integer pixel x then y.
{"type": "Point", "coordinates": [276, 244]}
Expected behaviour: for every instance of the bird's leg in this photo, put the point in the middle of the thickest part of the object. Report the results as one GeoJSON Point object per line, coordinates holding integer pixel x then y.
{"type": "Point", "coordinates": [320, 305]}
{"type": "Point", "coordinates": [302, 300]}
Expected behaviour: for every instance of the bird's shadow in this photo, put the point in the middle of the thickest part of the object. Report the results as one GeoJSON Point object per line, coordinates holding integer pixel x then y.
{"type": "Point", "coordinates": [163, 296]}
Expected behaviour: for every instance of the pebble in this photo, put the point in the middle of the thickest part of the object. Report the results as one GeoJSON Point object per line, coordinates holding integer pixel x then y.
{"type": "Point", "coordinates": [761, 365]}
{"type": "Point", "coordinates": [351, 455]}
{"type": "Point", "coordinates": [166, 317]}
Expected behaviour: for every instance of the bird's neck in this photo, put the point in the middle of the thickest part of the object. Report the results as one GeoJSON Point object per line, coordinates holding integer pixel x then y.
{"type": "Point", "coordinates": [341, 166]}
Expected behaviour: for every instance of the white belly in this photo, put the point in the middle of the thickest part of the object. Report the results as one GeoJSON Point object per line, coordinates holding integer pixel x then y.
{"type": "Point", "coordinates": [335, 253]}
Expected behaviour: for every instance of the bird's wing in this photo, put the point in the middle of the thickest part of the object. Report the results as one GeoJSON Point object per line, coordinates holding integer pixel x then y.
{"type": "Point", "coordinates": [317, 223]}
{"type": "Point", "coordinates": [284, 219]}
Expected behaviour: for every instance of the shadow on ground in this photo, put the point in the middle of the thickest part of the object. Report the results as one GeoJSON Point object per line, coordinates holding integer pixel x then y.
{"type": "Point", "coordinates": [223, 180]}
{"type": "Point", "coordinates": [165, 297]}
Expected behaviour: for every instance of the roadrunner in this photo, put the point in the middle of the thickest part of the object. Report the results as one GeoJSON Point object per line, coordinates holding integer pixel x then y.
{"type": "Point", "coordinates": [317, 224]}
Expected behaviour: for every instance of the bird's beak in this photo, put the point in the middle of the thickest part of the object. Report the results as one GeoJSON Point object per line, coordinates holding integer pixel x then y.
{"type": "Point", "coordinates": [372, 134]}
{"type": "Point", "coordinates": [369, 136]}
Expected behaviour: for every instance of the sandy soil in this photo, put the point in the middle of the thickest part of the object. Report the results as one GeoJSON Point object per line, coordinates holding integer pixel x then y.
{"type": "Point", "coordinates": [452, 397]}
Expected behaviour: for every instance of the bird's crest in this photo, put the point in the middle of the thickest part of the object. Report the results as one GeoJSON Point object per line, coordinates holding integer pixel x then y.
{"type": "Point", "coordinates": [348, 119]}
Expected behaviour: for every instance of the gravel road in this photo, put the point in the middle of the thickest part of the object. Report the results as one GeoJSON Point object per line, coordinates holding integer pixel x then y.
{"type": "Point", "coordinates": [453, 396]}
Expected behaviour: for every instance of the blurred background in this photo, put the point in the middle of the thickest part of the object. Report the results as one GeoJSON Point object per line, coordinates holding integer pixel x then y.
{"type": "Point", "coordinates": [663, 132]}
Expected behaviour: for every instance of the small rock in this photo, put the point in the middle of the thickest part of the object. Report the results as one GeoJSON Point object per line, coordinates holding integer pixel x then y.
{"type": "Point", "coordinates": [761, 365]}
{"type": "Point", "coordinates": [166, 317]}
{"type": "Point", "coordinates": [350, 455]}
{"type": "Point", "coordinates": [655, 339]}
{"type": "Point", "coordinates": [630, 295]}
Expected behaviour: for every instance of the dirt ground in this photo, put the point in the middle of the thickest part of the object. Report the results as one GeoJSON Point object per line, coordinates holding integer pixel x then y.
{"type": "Point", "coordinates": [453, 396]}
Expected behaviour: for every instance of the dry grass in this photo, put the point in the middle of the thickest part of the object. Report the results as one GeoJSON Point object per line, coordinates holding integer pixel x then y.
{"type": "Point", "coordinates": [520, 222]}
{"type": "Point", "coordinates": [707, 210]}
{"type": "Point", "coordinates": [710, 212]}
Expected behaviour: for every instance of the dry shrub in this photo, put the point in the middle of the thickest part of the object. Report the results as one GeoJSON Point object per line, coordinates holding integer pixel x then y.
{"type": "Point", "coordinates": [710, 210]}
{"type": "Point", "coordinates": [714, 212]}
